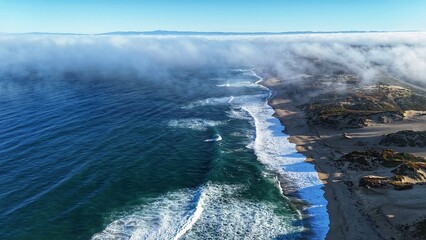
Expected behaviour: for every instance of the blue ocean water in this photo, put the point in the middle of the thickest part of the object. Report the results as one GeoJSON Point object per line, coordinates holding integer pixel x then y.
{"type": "Point", "coordinates": [132, 158]}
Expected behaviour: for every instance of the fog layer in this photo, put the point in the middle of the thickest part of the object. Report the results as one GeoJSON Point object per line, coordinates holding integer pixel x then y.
{"type": "Point", "coordinates": [44, 57]}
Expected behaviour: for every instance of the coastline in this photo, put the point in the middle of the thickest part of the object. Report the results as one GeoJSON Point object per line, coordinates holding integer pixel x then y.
{"type": "Point", "coordinates": [293, 122]}
{"type": "Point", "coordinates": [296, 177]}
{"type": "Point", "coordinates": [350, 211]}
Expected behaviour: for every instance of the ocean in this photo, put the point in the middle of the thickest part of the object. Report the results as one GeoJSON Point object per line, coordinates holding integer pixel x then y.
{"type": "Point", "coordinates": [198, 156]}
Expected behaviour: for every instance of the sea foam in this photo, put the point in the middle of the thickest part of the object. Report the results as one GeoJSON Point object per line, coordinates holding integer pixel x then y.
{"type": "Point", "coordinates": [166, 217]}
{"type": "Point", "coordinates": [276, 152]}
{"type": "Point", "coordinates": [208, 102]}
{"type": "Point", "coordinates": [216, 138]}
{"type": "Point", "coordinates": [193, 123]}
{"type": "Point", "coordinates": [214, 211]}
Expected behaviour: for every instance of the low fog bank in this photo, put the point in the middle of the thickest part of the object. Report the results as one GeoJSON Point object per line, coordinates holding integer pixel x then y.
{"type": "Point", "coordinates": [159, 58]}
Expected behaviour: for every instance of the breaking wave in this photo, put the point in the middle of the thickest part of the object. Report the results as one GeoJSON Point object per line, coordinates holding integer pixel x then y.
{"type": "Point", "coordinates": [216, 138]}
{"type": "Point", "coordinates": [212, 212]}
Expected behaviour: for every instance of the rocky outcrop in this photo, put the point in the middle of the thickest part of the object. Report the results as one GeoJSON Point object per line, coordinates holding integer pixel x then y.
{"type": "Point", "coordinates": [408, 169]}
{"type": "Point", "coordinates": [404, 139]}
{"type": "Point", "coordinates": [373, 181]}
{"type": "Point", "coordinates": [420, 229]}
{"type": "Point", "coordinates": [372, 159]}
{"type": "Point", "coordinates": [362, 106]}
{"type": "Point", "coordinates": [412, 170]}
{"type": "Point", "coordinates": [378, 181]}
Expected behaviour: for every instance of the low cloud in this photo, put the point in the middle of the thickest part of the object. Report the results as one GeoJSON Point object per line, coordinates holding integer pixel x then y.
{"type": "Point", "coordinates": [44, 57]}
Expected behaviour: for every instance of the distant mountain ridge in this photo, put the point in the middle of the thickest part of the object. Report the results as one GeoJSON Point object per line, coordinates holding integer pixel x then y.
{"type": "Point", "coordinates": [189, 33]}
{"type": "Point", "coordinates": [165, 32]}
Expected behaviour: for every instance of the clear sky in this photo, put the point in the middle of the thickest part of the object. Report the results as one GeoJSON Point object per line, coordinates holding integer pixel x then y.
{"type": "Point", "coordinates": [96, 16]}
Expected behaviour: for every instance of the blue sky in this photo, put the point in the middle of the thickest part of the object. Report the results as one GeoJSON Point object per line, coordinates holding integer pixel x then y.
{"type": "Point", "coordinates": [96, 16]}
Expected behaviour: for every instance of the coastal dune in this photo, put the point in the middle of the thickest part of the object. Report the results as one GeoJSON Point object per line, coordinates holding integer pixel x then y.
{"type": "Point", "coordinates": [355, 211]}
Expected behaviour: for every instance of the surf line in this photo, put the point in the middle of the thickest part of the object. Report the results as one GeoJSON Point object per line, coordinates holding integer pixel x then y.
{"type": "Point", "coordinates": [193, 218]}
{"type": "Point", "coordinates": [271, 93]}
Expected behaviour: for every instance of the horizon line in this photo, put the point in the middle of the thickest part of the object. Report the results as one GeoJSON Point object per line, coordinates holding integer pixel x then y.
{"type": "Point", "coordinates": [170, 32]}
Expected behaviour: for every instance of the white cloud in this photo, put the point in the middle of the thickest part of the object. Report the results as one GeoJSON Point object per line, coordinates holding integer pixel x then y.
{"type": "Point", "coordinates": [156, 57]}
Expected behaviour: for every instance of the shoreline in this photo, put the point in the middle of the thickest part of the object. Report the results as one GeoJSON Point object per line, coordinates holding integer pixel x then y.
{"type": "Point", "coordinates": [288, 127]}
{"type": "Point", "coordinates": [296, 177]}
{"type": "Point", "coordinates": [350, 209]}
{"type": "Point", "coordinates": [290, 119]}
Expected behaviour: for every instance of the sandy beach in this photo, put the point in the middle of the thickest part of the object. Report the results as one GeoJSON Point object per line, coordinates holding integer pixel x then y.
{"type": "Point", "coordinates": [355, 212]}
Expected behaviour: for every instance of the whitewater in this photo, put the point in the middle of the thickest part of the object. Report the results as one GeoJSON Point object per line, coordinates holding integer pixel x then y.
{"type": "Point", "coordinates": [215, 210]}
{"type": "Point", "coordinates": [198, 156]}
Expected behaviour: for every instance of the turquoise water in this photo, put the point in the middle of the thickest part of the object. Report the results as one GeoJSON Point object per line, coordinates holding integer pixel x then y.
{"type": "Point", "coordinates": [138, 158]}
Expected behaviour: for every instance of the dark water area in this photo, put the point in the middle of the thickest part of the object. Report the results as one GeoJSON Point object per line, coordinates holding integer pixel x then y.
{"type": "Point", "coordinates": [141, 158]}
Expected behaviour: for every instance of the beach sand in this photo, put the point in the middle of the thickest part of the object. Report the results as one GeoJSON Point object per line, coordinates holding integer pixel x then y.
{"type": "Point", "coordinates": [355, 212]}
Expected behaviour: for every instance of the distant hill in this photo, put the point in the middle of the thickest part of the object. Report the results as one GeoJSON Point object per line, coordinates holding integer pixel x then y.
{"type": "Point", "coordinates": [164, 32]}
{"type": "Point", "coordinates": [194, 33]}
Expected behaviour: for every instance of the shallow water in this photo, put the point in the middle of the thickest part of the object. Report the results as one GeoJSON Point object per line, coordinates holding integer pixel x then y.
{"type": "Point", "coordinates": [136, 159]}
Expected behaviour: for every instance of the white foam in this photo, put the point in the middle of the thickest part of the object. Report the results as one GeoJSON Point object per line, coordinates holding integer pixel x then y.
{"type": "Point", "coordinates": [158, 220]}
{"type": "Point", "coordinates": [208, 102]}
{"type": "Point", "coordinates": [193, 123]}
{"type": "Point", "coordinates": [213, 212]}
{"type": "Point", "coordinates": [216, 138]}
{"type": "Point", "coordinates": [193, 217]}
{"type": "Point", "coordinates": [219, 212]}
{"type": "Point", "coordinates": [167, 217]}
{"type": "Point", "coordinates": [239, 101]}
{"type": "Point", "coordinates": [230, 100]}
{"type": "Point", "coordinates": [227, 215]}
{"type": "Point", "coordinates": [276, 152]}
{"type": "Point", "coordinates": [236, 113]}
{"type": "Point", "coordinates": [246, 84]}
